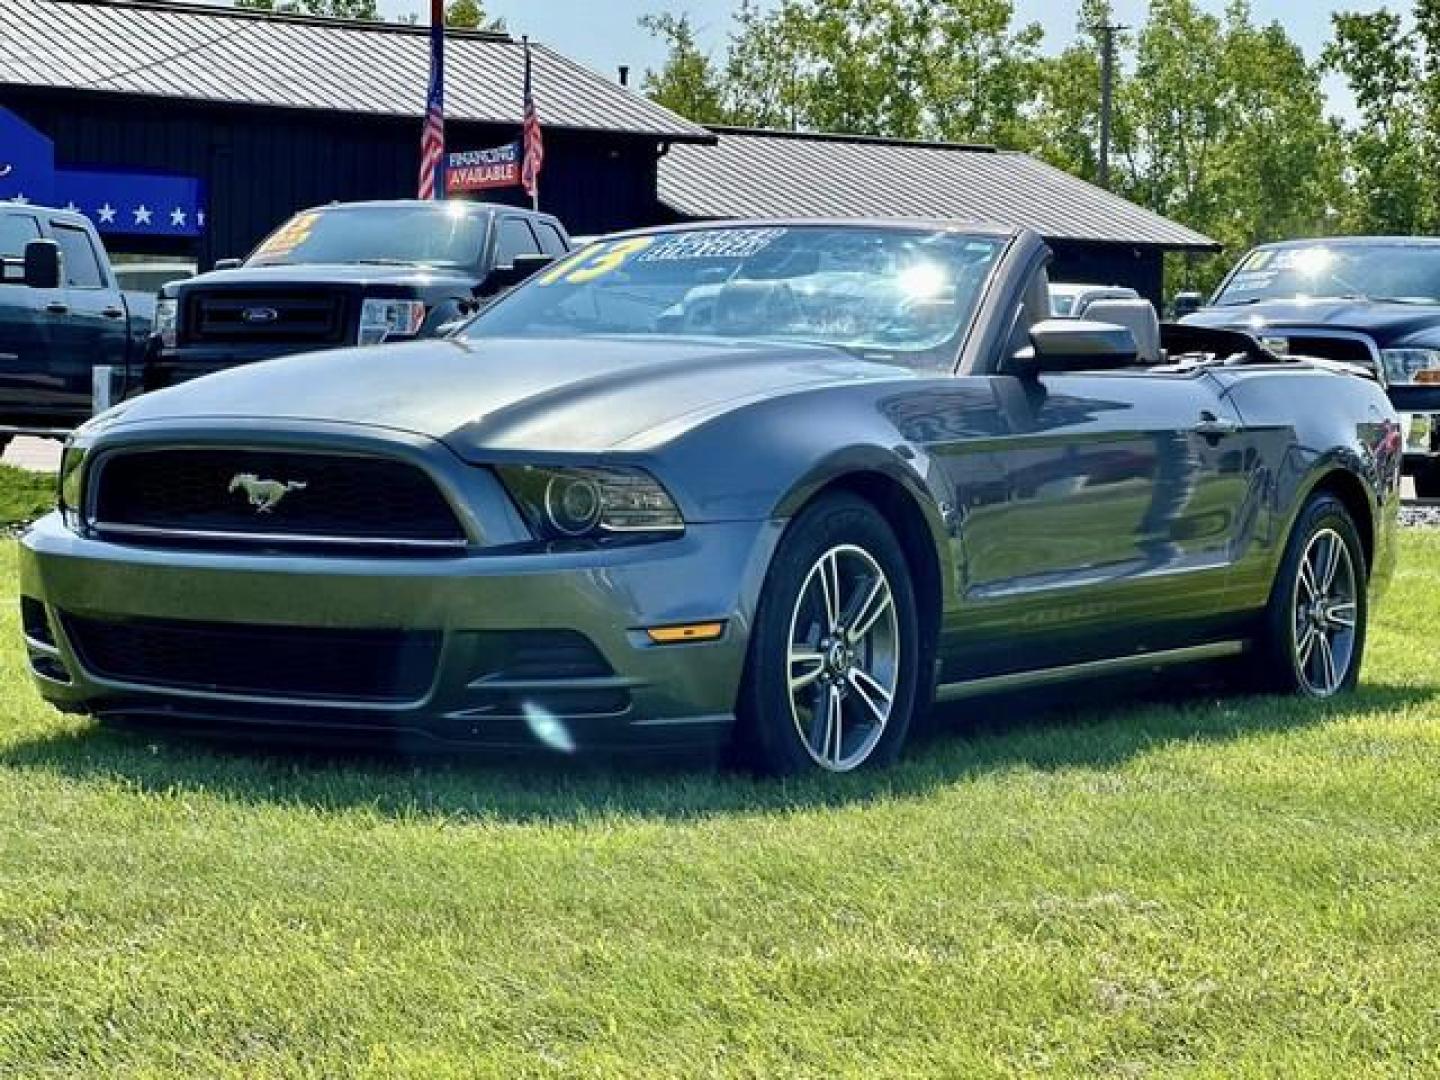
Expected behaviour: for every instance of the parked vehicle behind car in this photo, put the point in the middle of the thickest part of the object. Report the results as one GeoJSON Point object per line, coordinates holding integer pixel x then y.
{"type": "Point", "coordinates": [1368, 300]}
{"type": "Point", "coordinates": [347, 274]}
{"type": "Point", "coordinates": [62, 315]}
{"type": "Point", "coordinates": [773, 485]}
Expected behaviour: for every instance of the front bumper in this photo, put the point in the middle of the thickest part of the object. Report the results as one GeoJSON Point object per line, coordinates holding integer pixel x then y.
{"type": "Point", "coordinates": [668, 695]}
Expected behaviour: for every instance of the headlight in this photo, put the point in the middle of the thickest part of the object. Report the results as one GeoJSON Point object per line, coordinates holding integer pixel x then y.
{"type": "Point", "coordinates": [71, 495]}
{"type": "Point", "coordinates": [167, 321]}
{"type": "Point", "coordinates": [1411, 365]}
{"type": "Point", "coordinates": [381, 320]}
{"type": "Point", "coordinates": [590, 503]}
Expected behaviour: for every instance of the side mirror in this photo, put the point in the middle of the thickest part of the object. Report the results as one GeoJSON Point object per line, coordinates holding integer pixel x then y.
{"type": "Point", "coordinates": [227, 264]}
{"type": "Point", "coordinates": [42, 264]}
{"type": "Point", "coordinates": [1186, 303]}
{"type": "Point", "coordinates": [1076, 345]}
{"type": "Point", "coordinates": [507, 277]}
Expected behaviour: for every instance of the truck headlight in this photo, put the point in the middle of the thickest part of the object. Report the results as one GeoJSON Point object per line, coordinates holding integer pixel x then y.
{"type": "Point", "coordinates": [381, 320]}
{"type": "Point", "coordinates": [71, 493]}
{"type": "Point", "coordinates": [590, 503]}
{"type": "Point", "coordinates": [167, 321]}
{"type": "Point", "coordinates": [1411, 365]}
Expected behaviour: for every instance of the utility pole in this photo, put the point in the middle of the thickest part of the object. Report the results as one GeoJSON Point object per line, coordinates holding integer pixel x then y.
{"type": "Point", "coordinates": [1107, 87]}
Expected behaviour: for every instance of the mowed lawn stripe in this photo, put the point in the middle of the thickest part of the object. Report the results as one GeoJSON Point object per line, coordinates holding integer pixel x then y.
{"type": "Point", "coordinates": [1204, 886]}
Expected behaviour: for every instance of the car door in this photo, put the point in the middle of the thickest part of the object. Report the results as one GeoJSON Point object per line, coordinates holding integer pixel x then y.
{"type": "Point", "coordinates": [28, 319]}
{"type": "Point", "coordinates": [1100, 519]}
{"type": "Point", "coordinates": [95, 330]}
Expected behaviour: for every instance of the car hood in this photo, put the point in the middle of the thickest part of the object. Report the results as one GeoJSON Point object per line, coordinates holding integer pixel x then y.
{"type": "Point", "coordinates": [322, 274]}
{"type": "Point", "coordinates": [1388, 324]}
{"type": "Point", "coordinates": [499, 394]}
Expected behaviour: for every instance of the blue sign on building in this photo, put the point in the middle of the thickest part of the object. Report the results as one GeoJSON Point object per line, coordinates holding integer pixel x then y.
{"type": "Point", "coordinates": [123, 203]}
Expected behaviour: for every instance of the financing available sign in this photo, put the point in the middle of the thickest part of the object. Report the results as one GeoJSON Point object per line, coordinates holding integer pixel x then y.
{"type": "Point", "coordinates": [479, 170]}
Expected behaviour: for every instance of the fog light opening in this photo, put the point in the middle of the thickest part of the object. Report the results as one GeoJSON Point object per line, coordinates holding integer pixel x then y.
{"type": "Point", "coordinates": [675, 635]}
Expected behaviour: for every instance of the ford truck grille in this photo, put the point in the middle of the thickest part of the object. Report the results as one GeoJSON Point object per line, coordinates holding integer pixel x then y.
{"type": "Point", "coordinates": [242, 317]}
{"type": "Point", "coordinates": [263, 661]}
{"type": "Point", "coordinates": [243, 496]}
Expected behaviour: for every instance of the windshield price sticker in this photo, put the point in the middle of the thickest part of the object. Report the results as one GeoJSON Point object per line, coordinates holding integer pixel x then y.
{"type": "Point", "coordinates": [713, 244]}
{"type": "Point", "coordinates": [597, 261]}
{"type": "Point", "coordinates": [289, 236]}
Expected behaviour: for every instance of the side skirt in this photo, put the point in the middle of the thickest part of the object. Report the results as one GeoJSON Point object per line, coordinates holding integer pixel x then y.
{"type": "Point", "coordinates": [1022, 680]}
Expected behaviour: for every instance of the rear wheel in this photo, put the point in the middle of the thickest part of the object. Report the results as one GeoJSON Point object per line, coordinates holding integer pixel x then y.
{"type": "Point", "coordinates": [1314, 632]}
{"type": "Point", "coordinates": [830, 683]}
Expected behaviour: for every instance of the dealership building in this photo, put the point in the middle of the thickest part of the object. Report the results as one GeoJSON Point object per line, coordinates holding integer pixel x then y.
{"type": "Point", "coordinates": [190, 132]}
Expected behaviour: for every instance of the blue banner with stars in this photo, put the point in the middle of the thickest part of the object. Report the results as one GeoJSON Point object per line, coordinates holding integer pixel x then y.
{"type": "Point", "coordinates": [118, 202]}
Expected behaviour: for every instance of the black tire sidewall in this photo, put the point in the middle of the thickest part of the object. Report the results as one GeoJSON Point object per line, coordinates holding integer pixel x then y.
{"type": "Point", "coordinates": [1278, 654]}
{"type": "Point", "coordinates": [769, 741]}
{"type": "Point", "coordinates": [1427, 481]}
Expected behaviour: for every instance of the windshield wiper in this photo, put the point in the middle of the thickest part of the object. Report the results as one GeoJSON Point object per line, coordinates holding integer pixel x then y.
{"type": "Point", "coordinates": [1422, 301]}
{"type": "Point", "coordinates": [381, 262]}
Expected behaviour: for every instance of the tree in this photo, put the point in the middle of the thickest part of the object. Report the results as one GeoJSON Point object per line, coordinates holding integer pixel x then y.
{"type": "Point", "coordinates": [364, 10]}
{"type": "Point", "coordinates": [688, 83]}
{"type": "Point", "coordinates": [920, 68]}
{"type": "Point", "coordinates": [470, 15]}
{"type": "Point", "coordinates": [1394, 151]}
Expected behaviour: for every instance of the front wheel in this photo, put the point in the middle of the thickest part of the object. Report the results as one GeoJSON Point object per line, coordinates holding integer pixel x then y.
{"type": "Point", "coordinates": [830, 682]}
{"type": "Point", "coordinates": [1314, 633]}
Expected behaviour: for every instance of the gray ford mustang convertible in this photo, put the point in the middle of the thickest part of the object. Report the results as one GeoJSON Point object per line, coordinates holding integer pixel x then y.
{"type": "Point", "coordinates": [778, 485]}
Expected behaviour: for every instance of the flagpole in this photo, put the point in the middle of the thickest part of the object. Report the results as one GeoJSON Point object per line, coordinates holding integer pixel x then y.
{"type": "Point", "coordinates": [437, 40]}
{"type": "Point", "coordinates": [529, 108]}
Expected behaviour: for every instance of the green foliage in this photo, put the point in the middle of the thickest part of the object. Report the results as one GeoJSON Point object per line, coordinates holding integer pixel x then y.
{"type": "Point", "coordinates": [1394, 149]}
{"type": "Point", "coordinates": [364, 10]}
{"type": "Point", "coordinates": [470, 15]}
{"type": "Point", "coordinates": [24, 495]}
{"type": "Point", "coordinates": [1243, 887]}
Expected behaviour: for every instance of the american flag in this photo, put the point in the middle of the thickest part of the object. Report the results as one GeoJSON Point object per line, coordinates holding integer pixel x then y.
{"type": "Point", "coordinates": [432, 140]}
{"type": "Point", "coordinates": [534, 147]}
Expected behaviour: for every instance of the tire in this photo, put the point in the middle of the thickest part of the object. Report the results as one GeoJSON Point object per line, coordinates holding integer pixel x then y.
{"type": "Point", "coordinates": [838, 544]}
{"type": "Point", "coordinates": [1305, 647]}
{"type": "Point", "coordinates": [1427, 481]}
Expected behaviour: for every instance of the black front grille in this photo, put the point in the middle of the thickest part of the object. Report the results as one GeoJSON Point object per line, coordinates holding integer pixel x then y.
{"type": "Point", "coordinates": [242, 316]}
{"type": "Point", "coordinates": [266, 661]}
{"type": "Point", "coordinates": [271, 493]}
{"type": "Point", "coordinates": [558, 672]}
{"type": "Point", "coordinates": [1345, 349]}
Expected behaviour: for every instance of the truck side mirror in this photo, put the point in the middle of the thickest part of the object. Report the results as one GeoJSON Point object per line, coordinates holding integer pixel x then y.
{"type": "Point", "coordinates": [42, 264]}
{"type": "Point", "coordinates": [227, 264]}
{"type": "Point", "coordinates": [1186, 303]}
{"type": "Point", "coordinates": [507, 277]}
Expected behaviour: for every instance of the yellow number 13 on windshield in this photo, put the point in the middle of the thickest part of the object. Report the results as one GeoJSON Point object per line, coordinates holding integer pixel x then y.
{"type": "Point", "coordinates": [589, 265]}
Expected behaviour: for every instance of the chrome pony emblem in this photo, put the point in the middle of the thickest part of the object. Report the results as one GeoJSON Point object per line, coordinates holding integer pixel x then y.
{"type": "Point", "coordinates": [264, 495]}
{"type": "Point", "coordinates": [259, 315]}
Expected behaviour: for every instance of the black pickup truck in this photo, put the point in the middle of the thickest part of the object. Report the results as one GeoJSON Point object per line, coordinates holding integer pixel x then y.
{"type": "Point", "coordinates": [1371, 300]}
{"type": "Point", "coordinates": [348, 274]}
{"type": "Point", "coordinates": [62, 315]}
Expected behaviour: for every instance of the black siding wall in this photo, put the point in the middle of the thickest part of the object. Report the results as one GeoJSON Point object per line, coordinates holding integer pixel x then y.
{"type": "Point", "coordinates": [261, 165]}
{"type": "Point", "coordinates": [1142, 268]}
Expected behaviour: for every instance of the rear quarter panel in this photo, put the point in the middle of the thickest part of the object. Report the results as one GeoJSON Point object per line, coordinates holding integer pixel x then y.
{"type": "Point", "coordinates": [1305, 424]}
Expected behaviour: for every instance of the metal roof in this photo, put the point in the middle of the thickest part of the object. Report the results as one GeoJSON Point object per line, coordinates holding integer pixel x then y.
{"type": "Point", "coordinates": [257, 58]}
{"type": "Point", "coordinates": [754, 173]}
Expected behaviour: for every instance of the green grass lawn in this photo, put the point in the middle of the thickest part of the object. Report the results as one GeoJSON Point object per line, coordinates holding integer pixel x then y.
{"type": "Point", "coordinates": [1244, 887]}
{"type": "Point", "coordinates": [24, 495]}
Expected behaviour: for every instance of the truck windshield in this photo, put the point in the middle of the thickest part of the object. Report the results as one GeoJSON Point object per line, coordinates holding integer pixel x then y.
{"type": "Point", "coordinates": [441, 234]}
{"type": "Point", "coordinates": [907, 294]}
{"type": "Point", "coordinates": [1383, 271]}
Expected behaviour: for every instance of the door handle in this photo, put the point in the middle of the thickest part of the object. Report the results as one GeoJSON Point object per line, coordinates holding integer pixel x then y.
{"type": "Point", "coordinates": [113, 313]}
{"type": "Point", "coordinates": [1211, 426]}
{"type": "Point", "coordinates": [55, 307]}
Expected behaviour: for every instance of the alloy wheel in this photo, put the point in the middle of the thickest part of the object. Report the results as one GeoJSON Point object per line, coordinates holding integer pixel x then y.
{"type": "Point", "coordinates": [844, 658]}
{"type": "Point", "coordinates": [1324, 612]}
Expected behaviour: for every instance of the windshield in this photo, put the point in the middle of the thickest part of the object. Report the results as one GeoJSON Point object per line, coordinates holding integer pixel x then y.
{"type": "Point", "coordinates": [436, 235]}
{"type": "Point", "coordinates": [1400, 273]}
{"type": "Point", "coordinates": [906, 294]}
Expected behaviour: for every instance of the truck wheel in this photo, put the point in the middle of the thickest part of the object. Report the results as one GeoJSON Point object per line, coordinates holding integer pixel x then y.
{"type": "Point", "coordinates": [1313, 636]}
